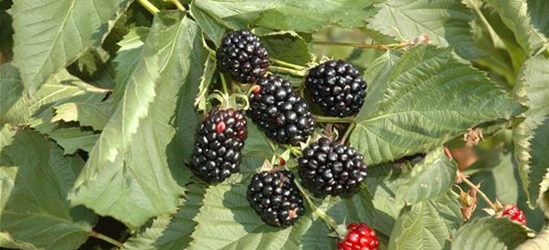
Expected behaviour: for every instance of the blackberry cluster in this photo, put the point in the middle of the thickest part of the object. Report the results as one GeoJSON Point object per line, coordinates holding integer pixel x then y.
{"type": "Point", "coordinates": [280, 112]}
{"type": "Point", "coordinates": [242, 56]}
{"type": "Point", "coordinates": [275, 198]}
{"type": "Point", "coordinates": [330, 168]}
{"type": "Point", "coordinates": [219, 140]}
{"type": "Point", "coordinates": [337, 87]}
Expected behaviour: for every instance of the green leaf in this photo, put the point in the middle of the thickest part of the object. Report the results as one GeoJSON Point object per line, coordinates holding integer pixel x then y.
{"type": "Point", "coordinates": [489, 233]}
{"type": "Point", "coordinates": [433, 177]}
{"type": "Point", "coordinates": [167, 232]}
{"type": "Point", "coordinates": [538, 10]}
{"type": "Point", "coordinates": [33, 202]}
{"type": "Point", "coordinates": [540, 242]}
{"type": "Point", "coordinates": [137, 161]}
{"type": "Point", "coordinates": [127, 58]}
{"type": "Point", "coordinates": [7, 241]}
{"type": "Point", "coordinates": [94, 115]}
{"type": "Point", "coordinates": [445, 21]}
{"type": "Point", "coordinates": [287, 46]}
{"type": "Point", "coordinates": [421, 101]}
{"type": "Point", "coordinates": [214, 16]}
{"type": "Point", "coordinates": [531, 136]}
{"type": "Point", "coordinates": [419, 227]}
{"type": "Point", "coordinates": [21, 109]}
{"type": "Point", "coordinates": [72, 139]}
{"type": "Point", "coordinates": [205, 82]}
{"type": "Point", "coordinates": [256, 145]}
{"type": "Point", "coordinates": [514, 14]}
{"type": "Point", "coordinates": [50, 34]}
{"type": "Point", "coordinates": [383, 182]}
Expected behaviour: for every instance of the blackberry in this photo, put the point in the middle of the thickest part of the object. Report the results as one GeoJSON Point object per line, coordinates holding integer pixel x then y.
{"type": "Point", "coordinates": [280, 112]}
{"type": "Point", "coordinates": [330, 168]}
{"type": "Point", "coordinates": [219, 140]}
{"type": "Point", "coordinates": [275, 198]}
{"type": "Point", "coordinates": [242, 56]}
{"type": "Point", "coordinates": [337, 87]}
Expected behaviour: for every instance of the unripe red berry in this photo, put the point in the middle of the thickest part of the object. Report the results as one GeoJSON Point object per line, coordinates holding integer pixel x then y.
{"type": "Point", "coordinates": [359, 237]}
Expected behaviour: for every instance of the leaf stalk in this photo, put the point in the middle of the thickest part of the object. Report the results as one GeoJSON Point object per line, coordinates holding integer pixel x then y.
{"type": "Point", "coordinates": [105, 238]}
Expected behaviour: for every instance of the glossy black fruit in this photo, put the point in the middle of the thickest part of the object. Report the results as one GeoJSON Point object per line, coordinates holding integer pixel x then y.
{"type": "Point", "coordinates": [337, 87]}
{"type": "Point", "coordinates": [242, 56]}
{"type": "Point", "coordinates": [274, 196]}
{"type": "Point", "coordinates": [327, 167]}
{"type": "Point", "coordinates": [219, 140]}
{"type": "Point", "coordinates": [280, 112]}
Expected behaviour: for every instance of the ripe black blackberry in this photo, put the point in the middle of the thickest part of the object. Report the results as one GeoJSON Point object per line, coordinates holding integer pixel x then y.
{"type": "Point", "coordinates": [330, 168]}
{"type": "Point", "coordinates": [280, 112]}
{"type": "Point", "coordinates": [337, 87]}
{"type": "Point", "coordinates": [275, 198]}
{"type": "Point", "coordinates": [242, 56]}
{"type": "Point", "coordinates": [219, 140]}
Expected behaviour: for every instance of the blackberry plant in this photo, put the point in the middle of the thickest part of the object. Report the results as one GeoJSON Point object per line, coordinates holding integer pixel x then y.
{"type": "Point", "coordinates": [150, 119]}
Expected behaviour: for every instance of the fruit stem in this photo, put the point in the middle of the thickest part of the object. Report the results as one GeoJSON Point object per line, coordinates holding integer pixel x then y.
{"type": "Point", "coordinates": [177, 4]}
{"type": "Point", "coordinates": [463, 178]}
{"type": "Point", "coordinates": [331, 222]}
{"type": "Point", "coordinates": [224, 83]}
{"type": "Point", "coordinates": [287, 70]}
{"type": "Point", "coordinates": [329, 119]}
{"type": "Point", "coordinates": [149, 6]}
{"type": "Point", "coordinates": [105, 238]}
{"type": "Point", "coordinates": [287, 64]}
{"type": "Point", "coordinates": [382, 47]}
{"type": "Point", "coordinates": [347, 133]}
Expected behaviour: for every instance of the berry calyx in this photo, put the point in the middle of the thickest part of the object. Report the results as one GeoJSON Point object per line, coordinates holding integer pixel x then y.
{"type": "Point", "coordinates": [280, 112]}
{"type": "Point", "coordinates": [359, 237]}
{"type": "Point", "coordinates": [514, 214]}
{"type": "Point", "coordinates": [242, 56]}
{"type": "Point", "coordinates": [328, 167]}
{"type": "Point", "coordinates": [275, 197]}
{"type": "Point", "coordinates": [218, 141]}
{"type": "Point", "coordinates": [337, 87]}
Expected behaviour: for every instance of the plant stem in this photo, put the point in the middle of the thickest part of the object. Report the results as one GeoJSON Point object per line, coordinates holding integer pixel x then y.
{"type": "Point", "coordinates": [178, 5]}
{"type": "Point", "coordinates": [347, 133]}
{"type": "Point", "coordinates": [287, 64]}
{"type": "Point", "coordinates": [325, 217]}
{"type": "Point", "coordinates": [382, 47]}
{"type": "Point", "coordinates": [328, 119]}
{"type": "Point", "coordinates": [105, 238]}
{"type": "Point", "coordinates": [473, 186]}
{"type": "Point", "coordinates": [224, 83]}
{"type": "Point", "coordinates": [149, 6]}
{"type": "Point", "coordinates": [287, 70]}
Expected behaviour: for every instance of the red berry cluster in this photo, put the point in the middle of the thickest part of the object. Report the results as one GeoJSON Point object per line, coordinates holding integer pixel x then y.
{"type": "Point", "coordinates": [515, 214]}
{"type": "Point", "coordinates": [359, 237]}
